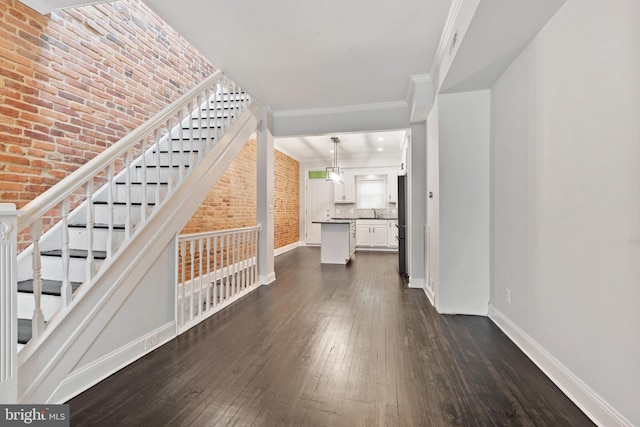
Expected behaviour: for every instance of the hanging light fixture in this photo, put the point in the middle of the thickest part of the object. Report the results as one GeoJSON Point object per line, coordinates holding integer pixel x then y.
{"type": "Point", "coordinates": [334, 173]}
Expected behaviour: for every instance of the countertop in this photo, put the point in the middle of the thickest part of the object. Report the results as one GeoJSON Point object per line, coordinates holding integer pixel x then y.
{"type": "Point", "coordinates": [334, 221]}
{"type": "Point", "coordinates": [367, 219]}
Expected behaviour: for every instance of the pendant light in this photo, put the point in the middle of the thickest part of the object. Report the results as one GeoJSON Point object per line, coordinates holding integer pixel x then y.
{"type": "Point", "coordinates": [333, 172]}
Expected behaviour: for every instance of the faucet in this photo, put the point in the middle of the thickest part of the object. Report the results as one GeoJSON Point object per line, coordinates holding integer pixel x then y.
{"type": "Point", "coordinates": [375, 213]}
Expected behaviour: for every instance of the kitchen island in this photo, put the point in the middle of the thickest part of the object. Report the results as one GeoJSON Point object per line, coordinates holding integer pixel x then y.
{"type": "Point", "coordinates": [337, 241]}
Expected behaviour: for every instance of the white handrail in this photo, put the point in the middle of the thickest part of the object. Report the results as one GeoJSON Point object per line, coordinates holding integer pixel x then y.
{"type": "Point", "coordinates": [52, 197]}
{"type": "Point", "coordinates": [184, 237]}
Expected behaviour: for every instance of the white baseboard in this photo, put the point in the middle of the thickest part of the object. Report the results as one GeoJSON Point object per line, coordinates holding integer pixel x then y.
{"type": "Point", "coordinates": [594, 406]}
{"type": "Point", "coordinates": [268, 279]}
{"type": "Point", "coordinates": [430, 295]}
{"type": "Point", "coordinates": [88, 376]}
{"type": "Point", "coordinates": [416, 283]}
{"type": "Point", "coordinates": [287, 248]}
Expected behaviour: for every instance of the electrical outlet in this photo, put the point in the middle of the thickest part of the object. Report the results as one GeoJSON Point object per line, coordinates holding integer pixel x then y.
{"type": "Point", "coordinates": [151, 341]}
{"type": "Point", "coordinates": [507, 294]}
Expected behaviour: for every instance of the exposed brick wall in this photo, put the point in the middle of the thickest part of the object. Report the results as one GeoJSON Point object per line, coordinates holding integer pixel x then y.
{"type": "Point", "coordinates": [232, 202]}
{"type": "Point", "coordinates": [74, 82]}
{"type": "Point", "coordinates": [287, 200]}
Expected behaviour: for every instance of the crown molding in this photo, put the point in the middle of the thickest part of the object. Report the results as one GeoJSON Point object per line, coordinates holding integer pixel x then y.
{"type": "Point", "coordinates": [341, 109]}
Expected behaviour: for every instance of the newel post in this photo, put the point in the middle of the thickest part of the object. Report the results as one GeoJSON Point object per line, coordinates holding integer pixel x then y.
{"type": "Point", "coordinates": [8, 304]}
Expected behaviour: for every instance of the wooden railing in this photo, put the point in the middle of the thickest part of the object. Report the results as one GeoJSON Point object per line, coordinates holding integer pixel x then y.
{"type": "Point", "coordinates": [215, 269]}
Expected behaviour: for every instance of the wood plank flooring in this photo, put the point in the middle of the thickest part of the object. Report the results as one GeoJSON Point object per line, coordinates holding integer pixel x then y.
{"type": "Point", "coordinates": [331, 345]}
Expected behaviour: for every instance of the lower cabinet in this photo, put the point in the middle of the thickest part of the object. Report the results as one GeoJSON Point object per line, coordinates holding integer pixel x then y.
{"type": "Point", "coordinates": [373, 234]}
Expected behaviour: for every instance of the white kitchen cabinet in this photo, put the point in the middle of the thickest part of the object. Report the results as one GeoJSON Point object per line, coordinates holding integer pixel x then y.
{"type": "Point", "coordinates": [379, 234]}
{"type": "Point", "coordinates": [363, 234]}
{"type": "Point", "coordinates": [372, 233]}
{"type": "Point", "coordinates": [345, 192]}
{"type": "Point", "coordinates": [392, 188]}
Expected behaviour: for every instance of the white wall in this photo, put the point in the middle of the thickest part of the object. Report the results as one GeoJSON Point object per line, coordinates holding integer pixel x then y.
{"type": "Point", "coordinates": [432, 209]}
{"type": "Point", "coordinates": [566, 204]}
{"type": "Point", "coordinates": [464, 141]}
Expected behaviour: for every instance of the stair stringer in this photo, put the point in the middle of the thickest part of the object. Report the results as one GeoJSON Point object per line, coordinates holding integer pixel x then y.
{"type": "Point", "coordinates": [43, 367]}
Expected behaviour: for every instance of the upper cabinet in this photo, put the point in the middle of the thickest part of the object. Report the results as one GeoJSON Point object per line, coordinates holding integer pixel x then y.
{"type": "Point", "coordinates": [345, 192]}
{"type": "Point", "coordinates": [392, 188]}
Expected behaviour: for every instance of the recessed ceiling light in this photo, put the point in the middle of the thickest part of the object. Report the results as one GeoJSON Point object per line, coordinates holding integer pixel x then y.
{"type": "Point", "coordinates": [380, 148]}
{"type": "Point", "coordinates": [331, 151]}
{"type": "Point", "coordinates": [381, 139]}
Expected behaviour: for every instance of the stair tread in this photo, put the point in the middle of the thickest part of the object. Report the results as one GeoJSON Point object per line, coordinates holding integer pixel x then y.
{"type": "Point", "coordinates": [24, 331]}
{"type": "Point", "coordinates": [75, 253]}
{"type": "Point", "coordinates": [49, 287]}
{"type": "Point", "coordinates": [176, 150]}
{"type": "Point", "coordinates": [99, 226]}
{"type": "Point", "coordinates": [103, 202]}
{"type": "Point", "coordinates": [140, 183]}
{"type": "Point", "coordinates": [162, 166]}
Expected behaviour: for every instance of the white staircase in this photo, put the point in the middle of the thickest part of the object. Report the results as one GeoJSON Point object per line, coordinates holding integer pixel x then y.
{"type": "Point", "coordinates": [115, 197]}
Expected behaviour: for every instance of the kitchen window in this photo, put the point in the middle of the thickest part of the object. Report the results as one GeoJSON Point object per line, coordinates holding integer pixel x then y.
{"type": "Point", "coordinates": [371, 191]}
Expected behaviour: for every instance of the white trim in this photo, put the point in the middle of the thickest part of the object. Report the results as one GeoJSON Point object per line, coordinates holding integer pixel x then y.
{"type": "Point", "coordinates": [267, 280]}
{"type": "Point", "coordinates": [592, 404]}
{"type": "Point", "coordinates": [430, 295]}
{"type": "Point", "coordinates": [416, 283]}
{"type": "Point", "coordinates": [89, 375]}
{"type": "Point", "coordinates": [341, 109]}
{"type": "Point", "coordinates": [287, 248]}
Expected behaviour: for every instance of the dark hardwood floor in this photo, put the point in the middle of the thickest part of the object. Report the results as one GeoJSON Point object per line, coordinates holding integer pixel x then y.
{"type": "Point", "coordinates": [331, 346]}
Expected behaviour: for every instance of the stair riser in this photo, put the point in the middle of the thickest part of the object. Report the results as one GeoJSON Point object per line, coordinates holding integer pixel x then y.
{"type": "Point", "coordinates": [119, 214]}
{"type": "Point", "coordinates": [167, 159]}
{"type": "Point", "coordinates": [186, 145]}
{"type": "Point", "coordinates": [52, 268]}
{"type": "Point", "coordinates": [165, 173]}
{"type": "Point", "coordinates": [120, 193]}
{"type": "Point", "coordinates": [205, 132]}
{"type": "Point", "coordinates": [26, 304]}
{"type": "Point", "coordinates": [78, 238]}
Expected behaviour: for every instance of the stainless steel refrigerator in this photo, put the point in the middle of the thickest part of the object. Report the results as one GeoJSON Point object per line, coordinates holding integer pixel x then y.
{"type": "Point", "coordinates": [402, 225]}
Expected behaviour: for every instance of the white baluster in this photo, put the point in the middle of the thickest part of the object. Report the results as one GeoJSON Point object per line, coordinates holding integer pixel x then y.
{"type": "Point", "coordinates": [66, 291]}
{"type": "Point", "coordinates": [244, 260]}
{"type": "Point", "coordinates": [192, 259]}
{"type": "Point", "coordinates": [255, 256]}
{"type": "Point", "coordinates": [90, 270]}
{"type": "Point", "coordinates": [156, 138]}
{"type": "Point", "coordinates": [201, 134]}
{"type": "Point", "coordinates": [234, 262]}
{"type": "Point", "coordinates": [192, 155]}
{"type": "Point", "coordinates": [128, 215]}
{"type": "Point", "coordinates": [110, 210]}
{"type": "Point", "coordinates": [170, 149]}
{"type": "Point", "coordinates": [183, 255]}
{"type": "Point", "coordinates": [143, 207]}
{"type": "Point", "coordinates": [227, 291]}
{"type": "Point", "coordinates": [209, 130]}
{"type": "Point", "coordinates": [37, 322]}
{"type": "Point", "coordinates": [181, 142]}
{"type": "Point", "coordinates": [208, 296]}
{"type": "Point", "coordinates": [215, 271]}
{"type": "Point", "coordinates": [8, 304]}
{"type": "Point", "coordinates": [201, 275]}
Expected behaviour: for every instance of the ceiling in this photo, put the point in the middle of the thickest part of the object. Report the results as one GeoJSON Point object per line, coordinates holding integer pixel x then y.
{"type": "Point", "coordinates": [306, 59]}
{"type": "Point", "coordinates": [294, 55]}
{"type": "Point", "coordinates": [353, 149]}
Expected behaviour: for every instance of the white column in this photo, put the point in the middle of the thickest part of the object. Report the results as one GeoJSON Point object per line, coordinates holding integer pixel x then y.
{"type": "Point", "coordinates": [8, 305]}
{"type": "Point", "coordinates": [417, 220]}
{"type": "Point", "coordinates": [265, 199]}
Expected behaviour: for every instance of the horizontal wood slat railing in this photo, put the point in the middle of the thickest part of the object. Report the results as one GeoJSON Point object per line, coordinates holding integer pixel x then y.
{"type": "Point", "coordinates": [215, 269]}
